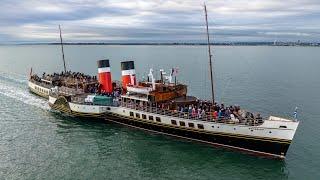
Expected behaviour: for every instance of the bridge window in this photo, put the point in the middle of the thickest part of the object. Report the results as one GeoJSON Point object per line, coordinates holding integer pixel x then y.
{"type": "Point", "coordinates": [151, 118]}
{"type": "Point", "coordinates": [174, 122]}
{"type": "Point", "coordinates": [282, 126]}
{"type": "Point", "coordinates": [131, 114]}
{"type": "Point", "coordinates": [144, 116]}
{"type": "Point", "coordinates": [182, 123]}
{"type": "Point", "coordinates": [200, 126]}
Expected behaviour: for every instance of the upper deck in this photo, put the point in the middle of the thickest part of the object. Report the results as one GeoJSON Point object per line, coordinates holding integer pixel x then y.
{"type": "Point", "coordinates": [140, 102]}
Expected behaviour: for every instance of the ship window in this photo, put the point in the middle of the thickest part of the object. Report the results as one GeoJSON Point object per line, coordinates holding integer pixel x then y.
{"type": "Point", "coordinates": [174, 122]}
{"type": "Point", "coordinates": [144, 116]}
{"type": "Point", "coordinates": [282, 126]}
{"type": "Point", "coordinates": [182, 123]}
{"type": "Point", "coordinates": [151, 118]}
{"type": "Point", "coordinates": [131, 114]}
{"type": "Point", "coordinates": [137, 115]}
{"type": "Point", "coordinates": [200, 126]}
{"type": "Point", "coordinates": [158, 119]}
{"type": "Point", "coordinates": [191, 125]}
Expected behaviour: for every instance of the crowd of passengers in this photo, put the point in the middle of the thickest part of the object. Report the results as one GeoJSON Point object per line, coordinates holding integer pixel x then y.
{"type": "Point", "coordinates": [72, 77]}
{"type": "Point", "coordinates": [218, 112]}
{"type": "Point", "coordinates": [67, 77]}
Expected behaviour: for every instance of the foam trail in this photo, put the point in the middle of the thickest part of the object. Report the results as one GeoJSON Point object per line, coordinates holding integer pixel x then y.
{"type": "Point", "coordinates": [13, 77]}
{"type": "Point", "coordinates": [20, 93]}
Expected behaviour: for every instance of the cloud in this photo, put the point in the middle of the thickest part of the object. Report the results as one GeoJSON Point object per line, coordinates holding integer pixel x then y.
{"type": "Point", "coordinates": [158, 20]}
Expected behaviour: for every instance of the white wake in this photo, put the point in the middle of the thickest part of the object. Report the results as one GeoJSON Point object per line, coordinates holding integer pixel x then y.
{"type": "Point", "coordinates": [15, 87]}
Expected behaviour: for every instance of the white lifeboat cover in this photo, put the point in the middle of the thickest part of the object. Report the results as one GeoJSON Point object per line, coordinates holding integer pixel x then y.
{"type": "Point", "coordinates": [89, 98]}
{"type": "Point", "coordinates": [139, 90]}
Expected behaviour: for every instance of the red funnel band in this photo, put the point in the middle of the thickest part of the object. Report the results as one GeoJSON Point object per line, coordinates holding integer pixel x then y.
{"type": "Point", "coordinates": [105, 79]}
{"type": "Point", "coordinates": [128, 78]}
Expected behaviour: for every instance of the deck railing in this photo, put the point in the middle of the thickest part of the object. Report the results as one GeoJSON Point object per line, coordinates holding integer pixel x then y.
{"type": "Point", "coordinates": [207, 116]}
{"type": "Point", "coordinates": [43, 84]}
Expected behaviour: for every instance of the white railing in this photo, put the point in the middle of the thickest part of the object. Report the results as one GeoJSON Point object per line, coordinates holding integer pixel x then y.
{"type": "Point", "coordinates": [208, 116]}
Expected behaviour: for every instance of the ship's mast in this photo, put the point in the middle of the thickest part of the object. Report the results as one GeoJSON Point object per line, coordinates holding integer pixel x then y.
{"type": "Point", "coordinates": [210, 55]}
{"type": "Point", "coordinates": [64, 62]}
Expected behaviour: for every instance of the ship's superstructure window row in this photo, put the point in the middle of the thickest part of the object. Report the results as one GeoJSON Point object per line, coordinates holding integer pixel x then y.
{"type": "Point", "coordinates": [158, 119]}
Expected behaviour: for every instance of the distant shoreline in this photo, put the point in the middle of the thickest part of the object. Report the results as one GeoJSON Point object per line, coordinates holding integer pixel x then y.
{"type": "Point", "coordinates": [186, 44]}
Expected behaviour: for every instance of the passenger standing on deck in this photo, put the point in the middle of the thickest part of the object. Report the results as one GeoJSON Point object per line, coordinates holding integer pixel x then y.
{"type": "Point", "coordinates": [219, 114]}
{"type": "Point", "coordinates": [193, 113]}
{"type": "Point", "coordinates": [227, 113]}
{"type": "Point", "coordinates": [203, 113]}
{"type": "Point", "coordinates": [215, 114]}
{"type": "Point", "coordinates": [190, 110]}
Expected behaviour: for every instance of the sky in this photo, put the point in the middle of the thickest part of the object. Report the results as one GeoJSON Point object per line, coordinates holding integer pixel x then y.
{"type": "Point", "coordinates": [23, 21]}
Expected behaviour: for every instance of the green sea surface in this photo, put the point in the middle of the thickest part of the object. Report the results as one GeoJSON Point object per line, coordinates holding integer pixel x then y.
{"type": "Point", "coordinates": [36, 143]}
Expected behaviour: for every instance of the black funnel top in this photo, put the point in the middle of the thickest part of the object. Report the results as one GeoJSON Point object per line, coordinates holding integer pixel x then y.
{"type": "Point", "coordinates": [127, 65]}
{"type": "Point", "coordinates": [103, 63]}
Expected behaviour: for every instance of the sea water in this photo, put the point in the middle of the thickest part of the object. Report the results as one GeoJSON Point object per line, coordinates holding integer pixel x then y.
{"type": "Point", "coordinates": [36, 143]}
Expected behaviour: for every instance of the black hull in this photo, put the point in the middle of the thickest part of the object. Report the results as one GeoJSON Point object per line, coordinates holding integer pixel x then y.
{"type": "Point", "coordinates": [263, 147]}
{"type": "Point", "coordinates": [266, 148]}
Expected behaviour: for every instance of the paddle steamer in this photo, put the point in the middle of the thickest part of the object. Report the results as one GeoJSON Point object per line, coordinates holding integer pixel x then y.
{"type": "Point", "coordinates": [153, 105]}
{"type": "Point", "coordinates": [163, 106]}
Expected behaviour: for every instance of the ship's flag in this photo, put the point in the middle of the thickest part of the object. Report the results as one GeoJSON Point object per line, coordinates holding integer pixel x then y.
{"type": "Point", "coordinates": [295, 113]}
{"type": "Point", "coordinates": [174, 71]}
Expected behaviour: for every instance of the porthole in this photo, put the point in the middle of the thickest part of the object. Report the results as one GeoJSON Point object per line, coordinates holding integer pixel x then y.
{"type": "Point", "coordinates": [270, 132]}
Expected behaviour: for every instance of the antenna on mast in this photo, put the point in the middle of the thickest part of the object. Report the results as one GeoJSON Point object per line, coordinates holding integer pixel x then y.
{"type": "Point", "coordinates": [210, 55]}
{"type": "Point", "coordinates": [64, 62]}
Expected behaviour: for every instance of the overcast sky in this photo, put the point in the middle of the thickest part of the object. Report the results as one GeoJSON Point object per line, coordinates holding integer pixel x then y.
{"type": "Point", "coordinates": [158, 20]}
